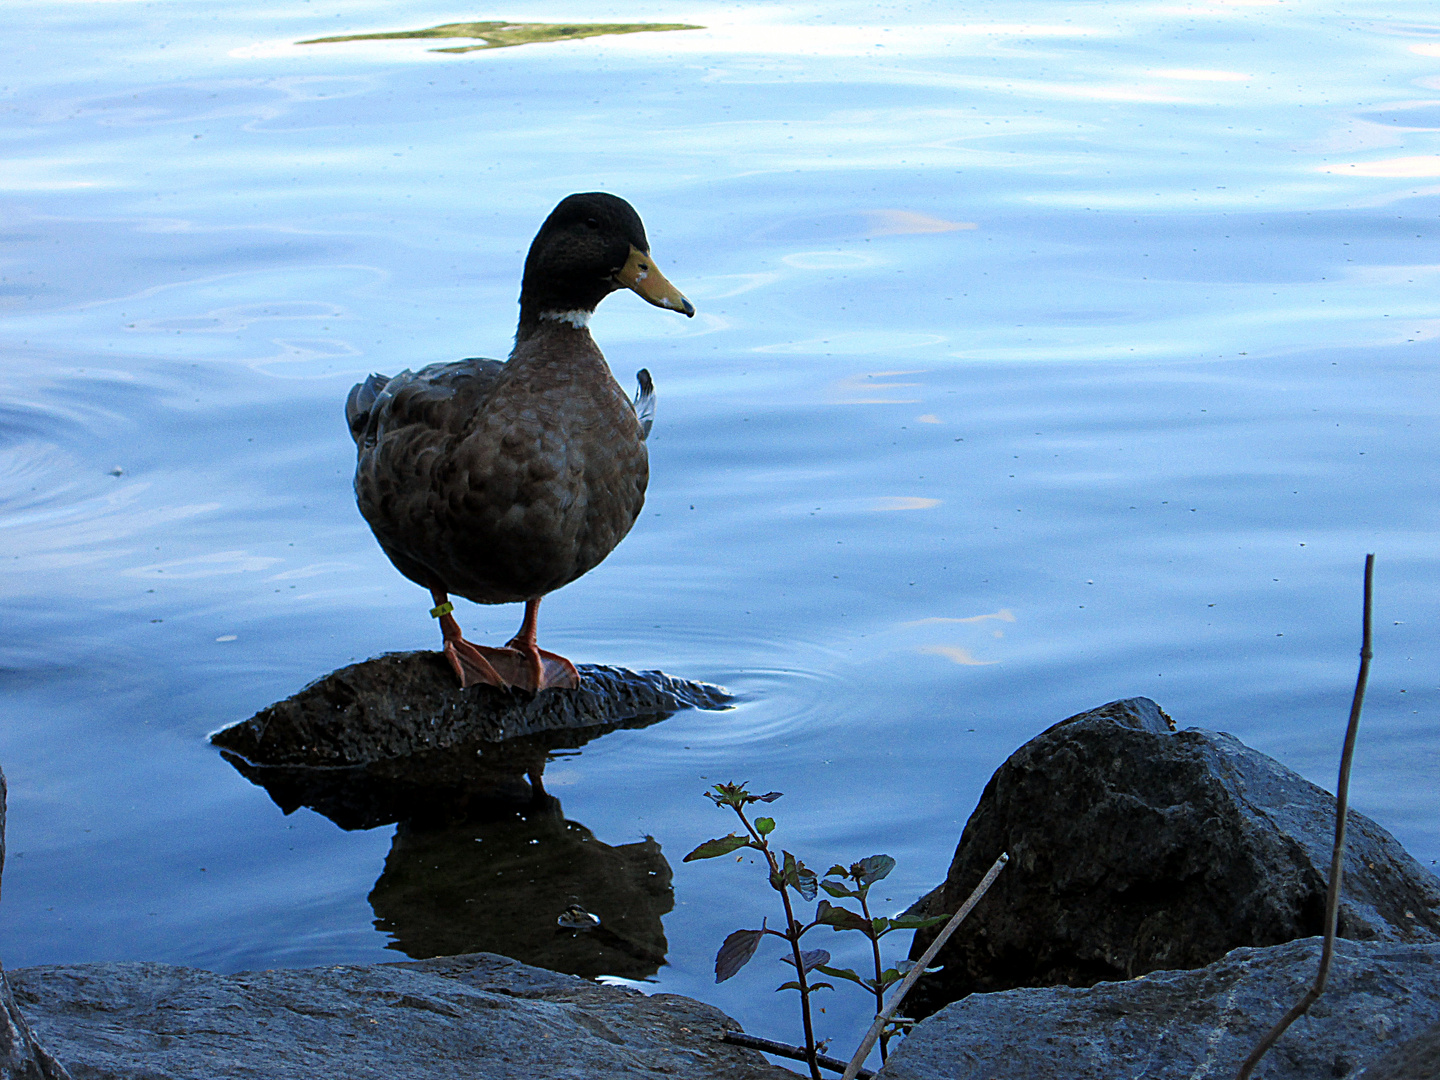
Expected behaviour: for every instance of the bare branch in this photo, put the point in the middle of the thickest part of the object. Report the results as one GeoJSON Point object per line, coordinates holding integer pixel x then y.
{"type": "Point", "coordinates": [1337, 857]}
{"type": "Point", "coordinates": [853, 1069]}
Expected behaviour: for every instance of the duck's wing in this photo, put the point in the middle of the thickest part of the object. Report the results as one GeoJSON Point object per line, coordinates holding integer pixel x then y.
{"type": "Point", "coordinates": [441, 396]}
{"type": "Point", "coordinates": [644, 402]}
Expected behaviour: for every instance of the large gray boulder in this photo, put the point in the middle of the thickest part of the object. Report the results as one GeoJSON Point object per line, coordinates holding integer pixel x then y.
{"type": "Point", "coordinates": [1416, 1058]}
{"type": "Point", "coordinates": [21, 1055]}
{"type": "Point", "coordinates": [476, 1017]}
{"type": "Point", "coordinates": [1135, 848]}
{"type": "Point", "coordinates": [1190, 1024]}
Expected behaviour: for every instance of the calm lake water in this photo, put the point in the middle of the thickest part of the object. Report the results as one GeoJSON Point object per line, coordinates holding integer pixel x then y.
{"type": "Point", "coordinates": [1047, 353]}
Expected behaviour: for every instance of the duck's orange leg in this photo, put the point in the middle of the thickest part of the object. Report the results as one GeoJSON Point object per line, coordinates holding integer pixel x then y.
{"type": "Point", "coordinates": [520, 665]}
{"type": "Point", "coordinates": [545, 669]}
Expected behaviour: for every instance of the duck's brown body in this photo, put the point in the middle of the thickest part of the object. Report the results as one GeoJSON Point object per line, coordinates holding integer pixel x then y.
{"type": "Point", "coordinates": [501, 482]}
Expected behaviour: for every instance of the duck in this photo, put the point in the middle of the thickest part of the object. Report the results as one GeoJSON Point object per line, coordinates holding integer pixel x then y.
{"type": "Point", "coordinates": [502, 481]}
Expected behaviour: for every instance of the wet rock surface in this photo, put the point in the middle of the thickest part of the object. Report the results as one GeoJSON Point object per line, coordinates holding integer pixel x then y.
{"type": "Point", "coordinates": [21, 1055]}
{"type": "Point", "coordinates": [1200, 1023]}
{"type": "Point", "coordinates": [478, 1017]}
{"type": "Point", "coordinates": [1417, 1058]}
{"type": "Point", "coordinates": [1136, 849]}
{"type": "Point", "coordinates": [401, 704]}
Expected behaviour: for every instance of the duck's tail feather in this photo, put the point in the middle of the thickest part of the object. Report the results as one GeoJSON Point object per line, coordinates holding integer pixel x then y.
{"type": "Point", "coordinates": [644, 402]}
{"type": "Point", "coordinates": [357, 405]}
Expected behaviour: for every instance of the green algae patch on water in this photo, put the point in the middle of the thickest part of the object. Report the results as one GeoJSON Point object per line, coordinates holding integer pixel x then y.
{"type": "Point", "coordinates": [502, 35]}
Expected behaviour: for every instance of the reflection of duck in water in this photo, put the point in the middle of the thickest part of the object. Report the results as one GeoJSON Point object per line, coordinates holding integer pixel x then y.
{"type": "Point", "coordinates": [502, 482]}
{"type": "Point", "coordinates": [530, 885]}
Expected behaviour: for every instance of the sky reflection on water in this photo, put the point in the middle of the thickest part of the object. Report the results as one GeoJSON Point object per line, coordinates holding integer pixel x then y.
{"type": "Point", "coordinates": [1046, 354]}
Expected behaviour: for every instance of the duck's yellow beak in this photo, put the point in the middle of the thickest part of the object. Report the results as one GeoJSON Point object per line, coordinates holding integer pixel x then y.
{"type": "Point", "coordinates": [642, 275]}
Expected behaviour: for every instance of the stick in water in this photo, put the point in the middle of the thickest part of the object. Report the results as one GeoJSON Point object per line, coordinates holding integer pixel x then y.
{"type": "Point", "coordinates": [853, 1069]}
{"type": "Point", "coordinates": [1337, 858]}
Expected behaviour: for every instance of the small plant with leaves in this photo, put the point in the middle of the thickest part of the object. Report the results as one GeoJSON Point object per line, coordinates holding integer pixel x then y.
{"type": "Point", "coordinates": [788, 874]}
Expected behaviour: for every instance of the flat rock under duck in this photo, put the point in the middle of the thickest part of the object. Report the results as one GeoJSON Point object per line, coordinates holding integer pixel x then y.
{"type": "Point", "coordinates": [503, 481]}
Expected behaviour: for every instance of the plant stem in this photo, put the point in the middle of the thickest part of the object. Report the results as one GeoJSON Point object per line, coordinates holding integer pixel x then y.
{"type": "Point", "coordinates": [791, 934]}
{"type": "Point", "coordinates": [1337, 856]}
{"type": "Point", "coordinates": [879, 987]}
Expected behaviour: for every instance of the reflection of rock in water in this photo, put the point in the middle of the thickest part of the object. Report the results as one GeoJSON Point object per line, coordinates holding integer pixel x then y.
{"type": "Point", "coordinates": [483, 859]}
{"type": "Point", "coordinates": [500, 885]}
{"type": "Point", "coordinates": [437, 787]}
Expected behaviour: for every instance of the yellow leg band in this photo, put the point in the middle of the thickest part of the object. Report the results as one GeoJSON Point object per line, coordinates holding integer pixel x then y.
{"type": "Point", "coordinates": [443, 609]}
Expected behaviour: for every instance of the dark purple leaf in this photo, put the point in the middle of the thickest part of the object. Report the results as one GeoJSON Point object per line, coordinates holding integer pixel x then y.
{"type": "Point", "coordinates": [736, 952]}
{"type": "Point", "coordinates": [811, 958]}
{"type": "Point", "coordinates": [769, 796]}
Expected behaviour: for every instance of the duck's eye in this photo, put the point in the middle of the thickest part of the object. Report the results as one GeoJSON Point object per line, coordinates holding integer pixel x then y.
{"type": "Point", "coordinates": [591, 223]}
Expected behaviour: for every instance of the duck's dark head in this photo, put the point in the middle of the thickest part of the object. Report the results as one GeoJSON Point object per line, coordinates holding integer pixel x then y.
{"type": "Point", "coordinates": [590, 245]}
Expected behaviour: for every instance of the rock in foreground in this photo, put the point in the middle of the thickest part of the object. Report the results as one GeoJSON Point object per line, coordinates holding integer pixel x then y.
{"type": "Point", "coordinates": [476, 1017]}
{"type": "Point", "coordinates": [1135, 849]}
{"type": "Point", "coordinates": [401, 704]}
{"type": "Point", "coordinates": [1189, 1023]}
{"type": "Point", "coordinates": [21, 1056]}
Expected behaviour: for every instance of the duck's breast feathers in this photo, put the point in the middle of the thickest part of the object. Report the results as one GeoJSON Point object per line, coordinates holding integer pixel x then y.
{"type": "Point", "coordinates": [443, 397]}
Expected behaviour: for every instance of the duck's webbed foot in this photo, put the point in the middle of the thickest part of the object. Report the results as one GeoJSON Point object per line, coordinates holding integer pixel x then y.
{"type": "Point", "coordinates": [520, 665]}
{"type": "Point", "coordinates": [473, 665]}
{"type": "Point", "coordinates": [542, 669]}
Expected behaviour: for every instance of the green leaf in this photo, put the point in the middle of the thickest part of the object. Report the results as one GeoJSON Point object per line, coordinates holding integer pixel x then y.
{"type": "Point", "coordinates": [735, 952]}
{"type": "Point", "coordinates": [729, 795]}
{"type": "Point", "coordinates": [791, 985]}
{"type": "Point", "coordinates": [840, 973]}
{"type": "Point", "coordinates": [711, 849]}
{"type": "Point", "coordinates": [838, 917]}
{"type": "Point", "coordinates": [868, 871]}
{"type": "Point", "coordinates": [915, 922]}
{"type": "Point", "coordinates": [837, 871]}
{"type": "Point", "coordinates": [879, 926]}
{"type": "Point", "coordinates": [834, 888]}
{"type": "Point", "coordinates": [764, 825]}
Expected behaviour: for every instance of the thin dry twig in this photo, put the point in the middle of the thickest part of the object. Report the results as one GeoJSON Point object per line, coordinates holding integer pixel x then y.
{"type": "Point", "coordinates": [1337, 858]}
{"type": "Point", "coordinates": [785, 1050]}
{"type": "Point", "coordinates": [853, 1069]}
